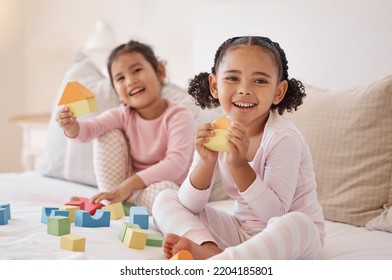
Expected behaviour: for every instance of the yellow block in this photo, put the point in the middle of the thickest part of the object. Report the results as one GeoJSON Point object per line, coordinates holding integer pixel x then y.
{"type": "Point", "coordinates": [73, 242]}
{"type": "Point", "coordinates": [83, 107]}
{"type": "Point", "coordinates": [218, 142]}
{"type": "Point", "coordinates": [135, 238]}
{"type": "Point", "coordinates": [71, 210]}
{"type": "Point", "coordinates": [116, 210]}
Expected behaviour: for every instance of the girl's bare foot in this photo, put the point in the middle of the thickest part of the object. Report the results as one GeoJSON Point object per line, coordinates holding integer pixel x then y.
{"type": "Point", "coordinates": [173, 243]}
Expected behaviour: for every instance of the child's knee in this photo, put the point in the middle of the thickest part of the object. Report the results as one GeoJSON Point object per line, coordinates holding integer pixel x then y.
{"type": "Point", "coordinates": [163, 199]}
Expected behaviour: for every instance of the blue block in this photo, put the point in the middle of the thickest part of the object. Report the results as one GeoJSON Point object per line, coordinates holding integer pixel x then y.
{"type": "Point", "coordinates": [46, 211]}
{"type": "Point", "coordinates": [101, 218]}
{"type": "Point", "coordinates": [7, 208]}
{"type": "Point", "coordinates": [3, 216]}
{"type": "Point", "coordinates": [139, 215]}
{"type": "Point", "coordinates": [63, 213]}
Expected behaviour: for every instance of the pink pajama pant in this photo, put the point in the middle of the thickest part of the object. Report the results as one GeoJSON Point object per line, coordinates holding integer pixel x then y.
{"type": "Point", "coordinates": [291, 236]}
{"type": "Point", "coordinates": [112, 165]}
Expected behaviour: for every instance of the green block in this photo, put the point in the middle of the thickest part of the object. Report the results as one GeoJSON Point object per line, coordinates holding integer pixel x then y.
{"type": "Point", "coordinates": [59, 225]}
{"type": "Point", "coordinates": [154, 239]}
{"type": "Point", "coordinates": [123, 229]}
{"type": "Point", "coordinates": [126, 206]}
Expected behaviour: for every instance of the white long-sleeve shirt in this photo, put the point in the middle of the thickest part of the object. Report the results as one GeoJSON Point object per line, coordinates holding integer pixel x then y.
{"type": "Point", "coordinates": [285, 179]}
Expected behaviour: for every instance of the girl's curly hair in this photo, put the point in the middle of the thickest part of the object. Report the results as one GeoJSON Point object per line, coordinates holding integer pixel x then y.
{"type": "Point", "coordinates": [199, 86]}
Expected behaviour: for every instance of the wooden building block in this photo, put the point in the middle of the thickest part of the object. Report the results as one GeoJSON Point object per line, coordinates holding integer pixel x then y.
{"type": "Point", "coordinates": [182, 255]}
{"type": "Point", "coordinates": [218, 142]}
{"type": "Point", "coordinates": [85, 204]}
{"type": "Point", "coordinates": [78, 99]}
{"type": "Point", "coordinates": [116, 210]}
{"type": "Point", "coordinates": [127, 206]}
{"type": "Point", "coordinates": [135, 238]}
{"type": "Point", "coordinates": [45, 213]}
{"type": "Point", "coordinates": [59, 212]}
{"type": "Point", "coordinates": [78, 203]}
{"type": "Point", "coordinates": [222, 122]}
{"type": "Point", "coordinates": [71, 210]}
{"type": "Point", "coordinates": [154, 239]}
{"type": "Point", "coordinates": [83, 107]}
{"type": "Point", "coordinates": [73, 242]}
{"type": "Point", "coordinates": [59, 225]}
{"type": "Point", "coordinates": [123, 229]}
{"type": "Point", "coordinates": [3, 216]}
{"type": "Point", "coordinates": [5, 213]}
{"type": "Point", "coordinates": [7, 208]}
{"type": "Point", "coordinates": [139, 215]}
{"type": "Point", "coordinates": [101, 218]}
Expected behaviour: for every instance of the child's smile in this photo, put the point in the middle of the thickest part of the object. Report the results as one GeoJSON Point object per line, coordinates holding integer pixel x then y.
{"type": "Point", "coordinates": [136, 91]}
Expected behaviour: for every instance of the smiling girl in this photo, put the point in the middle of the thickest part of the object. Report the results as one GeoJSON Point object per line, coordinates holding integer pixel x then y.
{"type": "Point", "coordinates": [267, 171]}
{"type": "Point", "coordinates": [159, 132]}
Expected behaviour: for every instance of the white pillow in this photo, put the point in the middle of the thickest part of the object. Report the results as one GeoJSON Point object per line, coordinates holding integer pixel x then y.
{"type": "Point", "coordinates": [66, 159]}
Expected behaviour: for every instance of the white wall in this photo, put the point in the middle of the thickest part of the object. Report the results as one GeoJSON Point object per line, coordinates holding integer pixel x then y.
{"type": "Point", "coordinates": [328, 43]}
{"type": "Point", "coordinates": [333, 44]}
{"type": "Point", "coordinates": [12, 84]}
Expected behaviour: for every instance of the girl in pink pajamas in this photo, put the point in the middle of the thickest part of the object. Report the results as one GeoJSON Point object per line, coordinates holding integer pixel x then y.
{"type": "Point", "coordinates": [159, 131]}
{"type": "Point", "coordinates": [268, 170]}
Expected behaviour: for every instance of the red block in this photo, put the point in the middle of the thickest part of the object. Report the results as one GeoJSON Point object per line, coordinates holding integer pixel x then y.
{"type": "Point", "coordinates": [85, 204]}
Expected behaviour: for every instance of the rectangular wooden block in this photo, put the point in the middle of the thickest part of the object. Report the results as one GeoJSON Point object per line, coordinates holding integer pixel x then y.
{"type": "Point", "coordinates": [59, 225]}
{"type": "Point", "coordinates": [46, 211]}
{"type": "Point", "coordinates": [7, 208]}
{"type": "Point", "coordinates": [123, 229]}
{"type": "Point", "coordinates": [139, 215]}
{"type": "Point", "coordinates": [73, 242]}
{"type": "Point", "coordinates": [71, 210]}
{"type": "Point", "coordinates": [135, 238]}
{"type": "Point", "coordinates": [116, 210]}
{"type": "Point", "coordinates": [154, 239]}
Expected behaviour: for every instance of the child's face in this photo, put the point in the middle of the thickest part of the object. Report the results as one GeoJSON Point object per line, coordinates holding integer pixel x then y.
{"type": "Point", "coordinates": [136, 82]}
{"type": "Point", "coordinates": [247, 84]}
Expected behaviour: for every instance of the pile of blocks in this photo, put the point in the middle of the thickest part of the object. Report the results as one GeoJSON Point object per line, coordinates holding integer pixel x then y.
{"type": "Point", "coordinates": [134, 234]}
{"type": "Point", "coordinates": [83, 214]}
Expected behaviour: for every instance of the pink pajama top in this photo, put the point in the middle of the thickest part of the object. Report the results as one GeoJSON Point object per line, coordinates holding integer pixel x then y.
{"type": "Point", "coordinates": [285, 179]}
{"type": "Point", "coordinates": [161, 149]}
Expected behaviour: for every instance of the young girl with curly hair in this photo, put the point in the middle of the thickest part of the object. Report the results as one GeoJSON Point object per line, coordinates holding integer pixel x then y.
{"type": "Point", "coordinates": [267, 171]}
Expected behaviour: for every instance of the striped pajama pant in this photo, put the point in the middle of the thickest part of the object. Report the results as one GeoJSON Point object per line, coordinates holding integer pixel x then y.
{"type": "Point", "coordinates": [291, 236]}
{"type": "Point", "coordinates": [112, 165]}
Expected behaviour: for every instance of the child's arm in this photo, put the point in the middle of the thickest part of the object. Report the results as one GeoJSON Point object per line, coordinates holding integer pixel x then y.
{"type": "Point", "coordinates": [238, 141]}
{"type": "Point", "coordinates": [67, 122]}
{"type": "Point", "coordinates": [202, 174]}
{"type": "Point", "coordinates": [122, 192]}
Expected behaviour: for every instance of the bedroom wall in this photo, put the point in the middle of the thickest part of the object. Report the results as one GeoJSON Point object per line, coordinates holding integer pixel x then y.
{"type": "Point", "coordinates": [329, 43]}
{"type": "Point", "coordinates": [12, 85]}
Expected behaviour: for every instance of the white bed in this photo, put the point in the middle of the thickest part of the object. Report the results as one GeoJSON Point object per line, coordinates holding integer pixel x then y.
{"type": "Point", "coordinates": [25, 237]}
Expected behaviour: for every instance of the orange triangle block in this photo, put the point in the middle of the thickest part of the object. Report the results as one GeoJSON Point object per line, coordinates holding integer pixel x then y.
{"type": "Point", "coordinates": [222, 123]}
{"type": "Point", "coordinates": [75, 91]}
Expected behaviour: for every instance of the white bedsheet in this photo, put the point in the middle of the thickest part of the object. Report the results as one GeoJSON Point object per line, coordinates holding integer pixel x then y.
{"type": "Point", "coordinates": [25, 237]}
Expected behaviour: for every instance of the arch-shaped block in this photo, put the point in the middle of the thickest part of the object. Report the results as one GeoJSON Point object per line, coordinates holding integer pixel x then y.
{"type": "Point", "coordinates": [101, 218]}
{"type": "Point", "coordinates": [46, 212]}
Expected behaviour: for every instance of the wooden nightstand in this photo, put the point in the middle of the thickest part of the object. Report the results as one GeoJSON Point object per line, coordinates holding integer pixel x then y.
{"type": "Point", "coordinates": [35, 130]}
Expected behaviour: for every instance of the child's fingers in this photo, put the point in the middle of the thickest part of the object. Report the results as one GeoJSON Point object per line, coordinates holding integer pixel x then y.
{"type": "Point", "coordinates": [237, 131]}
{"type": "Point", "coordinates": [100, 196]}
